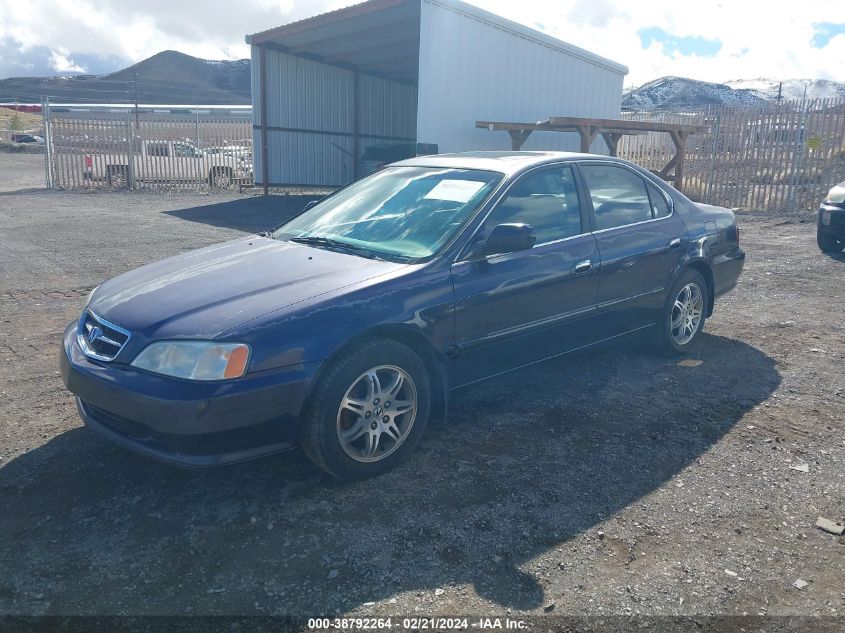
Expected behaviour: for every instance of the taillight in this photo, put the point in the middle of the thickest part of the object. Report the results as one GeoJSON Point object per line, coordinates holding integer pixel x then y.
{"type": "Point", "coordinates": [89, 162]}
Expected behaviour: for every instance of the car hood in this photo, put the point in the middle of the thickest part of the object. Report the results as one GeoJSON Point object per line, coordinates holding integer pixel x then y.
{"type": "Point", "coordinates": [203, 293]}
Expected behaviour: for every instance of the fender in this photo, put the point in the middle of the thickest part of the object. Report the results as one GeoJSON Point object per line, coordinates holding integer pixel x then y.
{"type": "Point", "coordinates": [697, 260]}
{"type": "Point", "coordinates": [415, 338]}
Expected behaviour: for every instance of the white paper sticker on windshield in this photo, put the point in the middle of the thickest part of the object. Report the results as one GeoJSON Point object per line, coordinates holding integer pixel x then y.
{"type": "Point", "coordinates": [454, 190]}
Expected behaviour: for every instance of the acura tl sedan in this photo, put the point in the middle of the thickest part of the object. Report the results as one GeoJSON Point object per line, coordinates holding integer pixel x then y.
{"type": "Point", "coordinates": [344, 330]}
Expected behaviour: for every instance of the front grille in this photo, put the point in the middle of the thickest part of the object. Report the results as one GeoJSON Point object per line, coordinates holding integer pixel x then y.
{"type": "Point", "coordinates": [98, 338]}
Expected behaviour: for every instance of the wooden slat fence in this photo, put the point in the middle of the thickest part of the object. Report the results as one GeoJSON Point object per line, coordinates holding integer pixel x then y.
{"type": "Point", "coordinates": [777, 157]}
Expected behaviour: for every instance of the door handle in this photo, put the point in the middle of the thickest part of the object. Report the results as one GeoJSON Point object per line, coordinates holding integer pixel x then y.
{"type": "Point", "coordinates": [673, 244]}
{"type": "Point", "coordinates": [582, 266]}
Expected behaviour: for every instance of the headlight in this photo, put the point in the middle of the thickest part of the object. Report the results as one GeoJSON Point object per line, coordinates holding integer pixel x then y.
{"type": "Point", "coordinates": [195, 360]}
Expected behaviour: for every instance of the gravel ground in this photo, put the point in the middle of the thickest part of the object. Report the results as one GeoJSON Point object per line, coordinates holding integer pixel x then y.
{"type": "Point", "coordinates": [19, 171]}
{"type": "Point", "coordinates": [610, 482]}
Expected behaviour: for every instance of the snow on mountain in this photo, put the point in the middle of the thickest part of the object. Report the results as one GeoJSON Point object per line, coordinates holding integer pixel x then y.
{"type": "Point", "coordinates": [791, 88]}
{"type": "Point", "coordinates": [680, 92]}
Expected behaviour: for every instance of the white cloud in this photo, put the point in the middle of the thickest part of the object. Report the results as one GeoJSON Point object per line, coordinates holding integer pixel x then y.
{"type": "Point", "coordinates": [132, 30]}
{"type": "Point", "coordinates": [62, 63]}
{"type": "Point", "coordinates": [759, 38]}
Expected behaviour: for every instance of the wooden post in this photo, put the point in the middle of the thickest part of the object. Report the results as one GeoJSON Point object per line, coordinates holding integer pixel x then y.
{"type": "Point", "coordinates": [518, 138]}
{"type": "Point", "coordinates": [588, 134]}
{"type": "Point", "coordinates": [680, 140]}
{"type": "Point", "coordinates": [612, 141]}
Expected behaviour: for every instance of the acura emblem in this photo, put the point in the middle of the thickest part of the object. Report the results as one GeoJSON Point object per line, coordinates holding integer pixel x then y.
{"type": "Point", "coordinates": [94, 334]}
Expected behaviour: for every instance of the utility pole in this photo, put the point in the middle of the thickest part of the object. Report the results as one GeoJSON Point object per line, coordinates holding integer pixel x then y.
{"type": "Point", "coordinates": [780, 92]}
{"type": "Point", "coordinates": [135, 96]}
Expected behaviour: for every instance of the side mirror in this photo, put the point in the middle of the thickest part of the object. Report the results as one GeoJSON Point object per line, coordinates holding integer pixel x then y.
{"type": "Point", "coordinates": [509, 238]}
{"type": "Point", "coordinates": [311, 203]}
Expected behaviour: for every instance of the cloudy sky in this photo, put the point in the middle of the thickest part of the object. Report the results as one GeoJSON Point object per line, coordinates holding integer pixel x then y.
{"type": "Point", "coordinates": [707, 40]}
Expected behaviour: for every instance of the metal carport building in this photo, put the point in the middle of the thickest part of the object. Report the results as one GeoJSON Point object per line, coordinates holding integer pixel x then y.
{"type": "Point", "coordinates": [405, 71]}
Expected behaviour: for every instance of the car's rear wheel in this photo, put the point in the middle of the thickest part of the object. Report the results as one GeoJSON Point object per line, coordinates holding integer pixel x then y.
{"type": "Point", "coordinates": [220, 178]}
{"type": "Point", "coordinates": [118, 177]}
{"type": "Point", "coordinates": [368, 410]}
{"type": "Point", "coordinates": [682, 318]}
{"type": "Point", "coordinates": [828, 243]}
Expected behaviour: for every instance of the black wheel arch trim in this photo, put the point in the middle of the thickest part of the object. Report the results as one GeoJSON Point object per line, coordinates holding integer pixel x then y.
{"type": "Point", "coordinates": [413, 338]}
{"type": "Point", "coordinates": [701, 266]}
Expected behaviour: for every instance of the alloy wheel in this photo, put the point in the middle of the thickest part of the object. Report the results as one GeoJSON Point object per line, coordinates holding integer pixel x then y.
{"type": "Point", "coordinates": [686, 313]}
{"type": "Point", "coordinates": [377, 413]}
{"type": "Point", "coordinates": [119, 179]}
{"type": "Point", "coordinates": [222, 180]}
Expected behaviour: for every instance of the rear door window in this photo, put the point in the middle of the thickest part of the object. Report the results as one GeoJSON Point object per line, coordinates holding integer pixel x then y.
{"type": "Point", "coordinates": [659, 207]}
{"type": "Point", "coordinates": [618, 194]}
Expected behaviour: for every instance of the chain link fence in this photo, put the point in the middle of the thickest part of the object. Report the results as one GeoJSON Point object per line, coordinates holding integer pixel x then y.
{"type": "Point", "coordinates": [172, 147]}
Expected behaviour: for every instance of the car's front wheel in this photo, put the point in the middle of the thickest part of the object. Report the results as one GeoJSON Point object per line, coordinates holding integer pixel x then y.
{"type": "Point", "coordinates": [682, 318]}
{"type": "Point", "coordinates": [828, 243]}
{"type": "Point", "coordinates": [368, 410]}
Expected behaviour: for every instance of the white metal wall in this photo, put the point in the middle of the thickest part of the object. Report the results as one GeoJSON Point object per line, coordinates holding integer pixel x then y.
{"type": "Point", "coordinates": [311, 122]}
{"type": "Point", "coordinates": [471, 69]}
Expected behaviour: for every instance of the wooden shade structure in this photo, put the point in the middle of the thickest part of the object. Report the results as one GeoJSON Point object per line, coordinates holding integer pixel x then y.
{"type": "Point", "coordinates": [611, 130]}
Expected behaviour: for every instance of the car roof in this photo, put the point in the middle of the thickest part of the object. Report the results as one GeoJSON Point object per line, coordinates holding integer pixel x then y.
{"type": "Point", "coordinates": [505, 162]}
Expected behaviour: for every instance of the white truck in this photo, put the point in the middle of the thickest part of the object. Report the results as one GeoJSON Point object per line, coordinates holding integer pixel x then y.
{"type": "Point", "coordinates": [158, 162]}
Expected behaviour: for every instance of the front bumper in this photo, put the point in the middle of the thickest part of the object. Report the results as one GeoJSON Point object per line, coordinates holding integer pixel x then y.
{"type": "Point", "coordinates": [832, 220]}
{"type": "Point", "coordinates": [183, 422]}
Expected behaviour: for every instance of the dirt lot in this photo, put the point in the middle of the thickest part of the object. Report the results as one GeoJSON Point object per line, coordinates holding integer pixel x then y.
{"type": "Point", "coordinates": [612, 482]}
{"type": "Point", "coordinates": [19, 171]}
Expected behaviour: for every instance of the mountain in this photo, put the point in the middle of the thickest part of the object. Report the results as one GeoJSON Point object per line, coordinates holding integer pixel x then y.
{"type": "Point", "coordinates": [679, 92]}
{"type": "Point", "coordinates": [167, 77]}
{"type": "Point", "coordinates": [791, 89]}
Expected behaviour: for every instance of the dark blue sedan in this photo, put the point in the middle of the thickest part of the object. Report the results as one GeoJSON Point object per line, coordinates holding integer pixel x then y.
{"type": "Point", "coordinates": [344, 330]}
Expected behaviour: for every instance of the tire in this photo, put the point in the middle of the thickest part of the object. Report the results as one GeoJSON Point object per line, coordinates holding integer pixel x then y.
{"type": "Point", "coordinates": [827, 243]}
{"type": "Point", "coordinates": [677, 331]}
{"type": "Point", "coordinates": [345, 427]}
{"type": "Point", "coordinates": [118, 177]}
{"type": "Point", "coordinates": [220, 178]}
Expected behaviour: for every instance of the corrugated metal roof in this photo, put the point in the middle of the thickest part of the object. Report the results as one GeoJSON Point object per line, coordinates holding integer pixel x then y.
{"type": "Point", "coordinates": [336, 36]}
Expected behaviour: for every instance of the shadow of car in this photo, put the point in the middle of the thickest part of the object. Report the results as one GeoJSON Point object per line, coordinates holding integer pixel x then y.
{"type": "Point", "coordinates": [525, 463]}
{"type": "Point", "coordinates": [254, 214]}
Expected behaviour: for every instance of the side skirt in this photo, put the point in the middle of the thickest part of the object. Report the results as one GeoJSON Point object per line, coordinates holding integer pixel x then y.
{"type": "Point", "coordinates": [542, 360]}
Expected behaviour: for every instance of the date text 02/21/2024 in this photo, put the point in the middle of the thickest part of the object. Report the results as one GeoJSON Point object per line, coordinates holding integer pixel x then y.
{"type": "Point", "coordinates": [416, 624]}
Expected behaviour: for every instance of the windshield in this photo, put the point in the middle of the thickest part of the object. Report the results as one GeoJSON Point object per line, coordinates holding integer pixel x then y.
{"type": "Point", "coordinates": [404, 212]}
